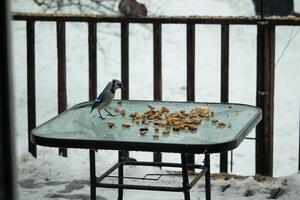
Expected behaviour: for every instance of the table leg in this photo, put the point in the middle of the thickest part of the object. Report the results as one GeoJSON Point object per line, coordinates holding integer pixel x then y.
{"type": "Point", "coordinates": [120, 175]}
{"type": "Point", "coordinates": [185, 177]}
{"type": "Point", "coordinates": [207, 176]}
{"type": "Point", "coordinates": [92, 174]}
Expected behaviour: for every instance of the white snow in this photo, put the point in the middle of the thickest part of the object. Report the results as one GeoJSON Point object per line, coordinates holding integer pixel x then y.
{"type": "Point", "coordinates": [49, 174]}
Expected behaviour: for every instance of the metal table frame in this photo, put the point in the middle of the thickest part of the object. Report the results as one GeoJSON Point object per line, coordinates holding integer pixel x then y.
{"type": "Point", "coordinates": [186, 185]}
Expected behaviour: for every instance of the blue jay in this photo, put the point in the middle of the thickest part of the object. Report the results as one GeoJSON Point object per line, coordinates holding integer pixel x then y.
{"type": "Point", "coordinates": [132, 8]}
{"type": "Point", "coordinates": [106, 97]}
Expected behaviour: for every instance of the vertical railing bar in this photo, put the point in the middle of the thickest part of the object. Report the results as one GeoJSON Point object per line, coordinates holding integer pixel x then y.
{"type": "Point", "coordinates": [224, 83]}
{"type": "Point", "coordinates": [190, 81]}
{"type": "Point", "coordinates": [92, 40]}
{"type": "Point", "coordinates": [299, 141]}
{"type": "Point", "coordinates": [125, 65]}
{"type": "Point", "coordinates": [31, 105]}
{"type": "Point", "coordinates": [61, 72]}
{"type": "Point", "coordinates": [265, 98]}
{"type": "Point", "coordinates": [157, 73]}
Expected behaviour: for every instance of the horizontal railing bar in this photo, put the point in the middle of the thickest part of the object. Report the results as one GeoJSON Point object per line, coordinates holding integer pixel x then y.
{"type": "Point", "coordinates": [290, 20]}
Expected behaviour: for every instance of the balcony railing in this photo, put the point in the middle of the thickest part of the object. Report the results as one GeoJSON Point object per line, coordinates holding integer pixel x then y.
{"type": "Point", "coordinates": [265, 66]}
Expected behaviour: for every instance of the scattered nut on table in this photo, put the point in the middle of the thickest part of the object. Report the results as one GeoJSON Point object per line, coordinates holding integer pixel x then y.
{"type": "Point", "coordinates": [229, 125]}
{"type": "Point", "coordinates": [122, 112]}
{"type": "Point", "coordinates": [192, 128]}
{"type": "Point", "coordinates": [214, 121]}
{"type": "Point", "coordinates": [110, 124]}
{"type": "Point", "coordinates": [220, 124]}
{"type": "Point", "coordinates": [176, 128]}
{"type": "Point", "coordinates": [117, 110]}
{"type": "Point", "coordinates": [143, 131]}
{"type": "Point", "coordinates": [126, 125]}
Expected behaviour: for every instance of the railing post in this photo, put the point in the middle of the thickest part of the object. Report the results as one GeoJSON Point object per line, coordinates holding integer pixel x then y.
{"type": "Point", "coordinates": [157, 73]}
{"type": "Point", "coordinates": [190, 79]}
{"type": "Point", "coordinates": [61, 72]}
{"type": "Point", "coordinates": [31, 106]}
{"type": "Point", "coordinates": [92, 40]}
{"type": "Point", "coordinates": [265, 97]}
{"type": "Point", "coordinates": [125, 65]}
{"type": "Point", "coordinates": [224, 83]}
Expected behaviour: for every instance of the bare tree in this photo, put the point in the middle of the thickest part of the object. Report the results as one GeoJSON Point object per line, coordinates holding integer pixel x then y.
{"type": "Point", "coordinates": [82, 6]}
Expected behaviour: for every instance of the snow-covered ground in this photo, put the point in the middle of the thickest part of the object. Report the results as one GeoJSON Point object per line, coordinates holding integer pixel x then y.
{"type": "Point", "coordinates": [53, 177]}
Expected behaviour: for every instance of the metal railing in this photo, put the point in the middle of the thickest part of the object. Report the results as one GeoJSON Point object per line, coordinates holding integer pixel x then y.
{"type": "Point", "coordinates": [265, 66]}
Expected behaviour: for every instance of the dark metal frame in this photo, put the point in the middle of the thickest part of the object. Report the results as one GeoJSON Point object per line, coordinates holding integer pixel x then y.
{"type": "Point", "coordinates": [7, 153]}
{"type": "Point", "coordinates": [145, 146]}
{"type": "Point", "coordinates": [186, 185]}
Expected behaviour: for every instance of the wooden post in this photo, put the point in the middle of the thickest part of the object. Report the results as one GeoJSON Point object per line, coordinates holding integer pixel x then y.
{"type": "Point", "coordinates": [61, 72]}
{"type": "Point", "coordinates": [125, 65]}
{"type": "Point", "coordinates": [31, 106]}
{"type": "Point", "coordinates": [190, 79]}
{"type": "Point", "coordinates": [157, 73]}
{"type": "Point", "coordinates": [224, 83]}
{"type": "Point", "coordinates": [92, 39]}
{"type": "Point", "coordinates": [7, 154]}
{"type": "Point", "coordinates": [265, 97]}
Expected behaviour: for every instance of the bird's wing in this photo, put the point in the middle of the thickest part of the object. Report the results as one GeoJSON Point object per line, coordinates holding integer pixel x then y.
{"type": "Point", "coordinates": [98, 100]}
{"type": "Point", "coordinates": [101, 96]}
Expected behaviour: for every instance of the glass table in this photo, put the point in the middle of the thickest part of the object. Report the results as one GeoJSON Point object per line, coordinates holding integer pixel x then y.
{"type": "Point", "coordinates": [225, 128]}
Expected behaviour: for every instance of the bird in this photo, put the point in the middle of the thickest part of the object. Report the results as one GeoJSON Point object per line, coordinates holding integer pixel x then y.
{"type": "Point", "coordinates": [106, 97]}
{"type": "Point", "coordinates": [132, 8]}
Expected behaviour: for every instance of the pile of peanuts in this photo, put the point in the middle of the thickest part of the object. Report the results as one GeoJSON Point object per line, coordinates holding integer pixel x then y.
{"type": "Point", "coordinates": [165, 119]}
{"type": "Point", "coordinates": [179, 120]}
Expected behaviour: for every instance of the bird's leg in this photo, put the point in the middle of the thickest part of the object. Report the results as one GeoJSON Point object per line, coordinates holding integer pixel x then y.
{"type": "Point", "coordinates": [109, 112]}
{"type": "Point", "coordinates": [100, 116]}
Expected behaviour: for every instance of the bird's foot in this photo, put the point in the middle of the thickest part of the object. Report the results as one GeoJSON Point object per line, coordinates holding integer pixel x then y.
{"type": "Point", "coordinates": [111, 115]}
{"type": "Point", "coordinates": [101, 117]}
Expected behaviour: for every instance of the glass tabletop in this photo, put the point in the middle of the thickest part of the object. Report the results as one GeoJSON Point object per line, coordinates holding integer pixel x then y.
{"type": "Point", "coordinates": [227, 125]}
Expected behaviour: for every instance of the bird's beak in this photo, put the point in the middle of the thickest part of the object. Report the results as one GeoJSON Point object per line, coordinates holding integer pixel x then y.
{"type": "Point", "coordinates": [122, 87]}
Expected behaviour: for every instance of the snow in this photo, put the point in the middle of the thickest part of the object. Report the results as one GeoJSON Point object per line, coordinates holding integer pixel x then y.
{"type": "Point", "coordinates": [52, 177]}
